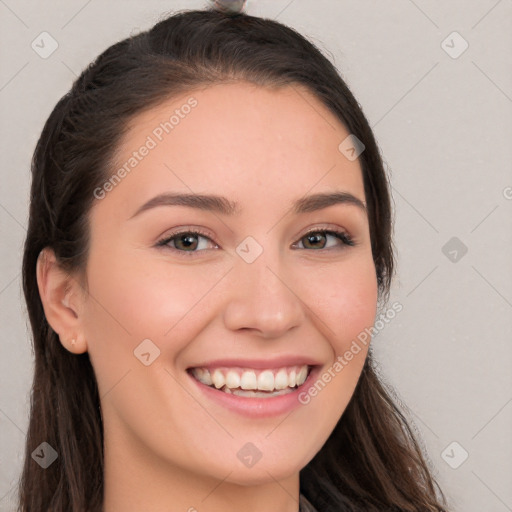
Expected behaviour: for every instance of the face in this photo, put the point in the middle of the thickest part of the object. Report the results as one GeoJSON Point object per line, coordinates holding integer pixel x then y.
{"type": "Point", "coordinates": [267, 294]}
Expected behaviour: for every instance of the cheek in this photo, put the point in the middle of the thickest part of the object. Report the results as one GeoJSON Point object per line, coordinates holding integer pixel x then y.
{"type": "Point", "coordinates": [344, 299]}
{"type": "Point", "coordinates": [132, 299]}
{"type": "Point", "coordinates": [142, 297]}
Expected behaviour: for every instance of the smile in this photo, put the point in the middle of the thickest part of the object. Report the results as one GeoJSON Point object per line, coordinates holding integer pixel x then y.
{"type": "Point", "coordinates": [250, 382]}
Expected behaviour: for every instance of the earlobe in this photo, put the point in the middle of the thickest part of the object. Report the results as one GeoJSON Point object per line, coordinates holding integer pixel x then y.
{"type": "Point", "coordinates": [61, 298]}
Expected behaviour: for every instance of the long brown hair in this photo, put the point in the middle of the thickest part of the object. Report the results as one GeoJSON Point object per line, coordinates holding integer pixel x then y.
{"type": "Point", "coordinates": [371, 461]}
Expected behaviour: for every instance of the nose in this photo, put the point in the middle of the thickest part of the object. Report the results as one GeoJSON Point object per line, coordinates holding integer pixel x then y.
{"type": "Point", "coordinates": [263, 299]}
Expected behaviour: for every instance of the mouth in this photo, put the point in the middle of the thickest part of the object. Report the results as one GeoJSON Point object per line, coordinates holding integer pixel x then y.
{"type": "Point", "coordinates": [251, 382]}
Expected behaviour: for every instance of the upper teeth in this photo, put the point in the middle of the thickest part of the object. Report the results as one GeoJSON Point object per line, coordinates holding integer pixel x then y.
{"type": "Point", "coordinates": [263, 380]}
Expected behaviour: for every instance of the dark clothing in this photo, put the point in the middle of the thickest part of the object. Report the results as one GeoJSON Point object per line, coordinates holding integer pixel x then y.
{"type": "Point", "coordinates": [305, 505]}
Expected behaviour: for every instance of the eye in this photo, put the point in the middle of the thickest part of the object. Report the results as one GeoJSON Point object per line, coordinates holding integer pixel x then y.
{"type": "Point", "coordinates": [184, 241]}
{"type": "Point", "coordinates": [316, 236]}
{"type": "Point", "coordinates": [187, 241]}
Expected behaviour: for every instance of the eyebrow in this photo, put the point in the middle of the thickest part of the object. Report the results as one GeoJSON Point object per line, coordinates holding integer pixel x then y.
{"type": "Point", "coordinates": [222, 205]}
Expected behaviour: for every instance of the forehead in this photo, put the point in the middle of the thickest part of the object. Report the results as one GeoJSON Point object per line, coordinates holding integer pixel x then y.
{"type": "Point", "coordinates": [238, 140]}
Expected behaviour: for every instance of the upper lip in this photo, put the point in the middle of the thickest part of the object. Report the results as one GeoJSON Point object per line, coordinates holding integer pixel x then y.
{"type": "Point", "coordinates": [276, 362]}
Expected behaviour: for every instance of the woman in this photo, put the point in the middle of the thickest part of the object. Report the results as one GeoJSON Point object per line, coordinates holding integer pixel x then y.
{"type": "Point", "coordinates": [209, 239]}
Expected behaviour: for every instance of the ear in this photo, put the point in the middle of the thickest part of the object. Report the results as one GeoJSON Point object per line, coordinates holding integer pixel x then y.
{"type": "Point", "coordinates": [62, 298]}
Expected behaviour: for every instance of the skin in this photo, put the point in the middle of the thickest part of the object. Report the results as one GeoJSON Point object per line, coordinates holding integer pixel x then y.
{"type": "Point", "coordinates": [167, 446]}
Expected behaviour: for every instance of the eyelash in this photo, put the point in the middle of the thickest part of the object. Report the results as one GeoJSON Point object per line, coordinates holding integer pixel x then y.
{"type": "Point", "coordinates": [340, 235]}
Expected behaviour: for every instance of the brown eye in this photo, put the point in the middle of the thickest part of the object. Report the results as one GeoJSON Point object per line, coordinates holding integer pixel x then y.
{"type": "Point", "coordinates": [318, 239]}
{"type": "Point", "coordinates": [185, 242]}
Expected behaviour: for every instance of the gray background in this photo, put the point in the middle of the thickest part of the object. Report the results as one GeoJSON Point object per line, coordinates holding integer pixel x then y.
{"type": "Point", "coordinates": [444, 128]}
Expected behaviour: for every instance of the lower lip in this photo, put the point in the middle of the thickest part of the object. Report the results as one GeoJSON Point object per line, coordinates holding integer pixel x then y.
{"type": "Point", "coordinates": [258, 407]}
